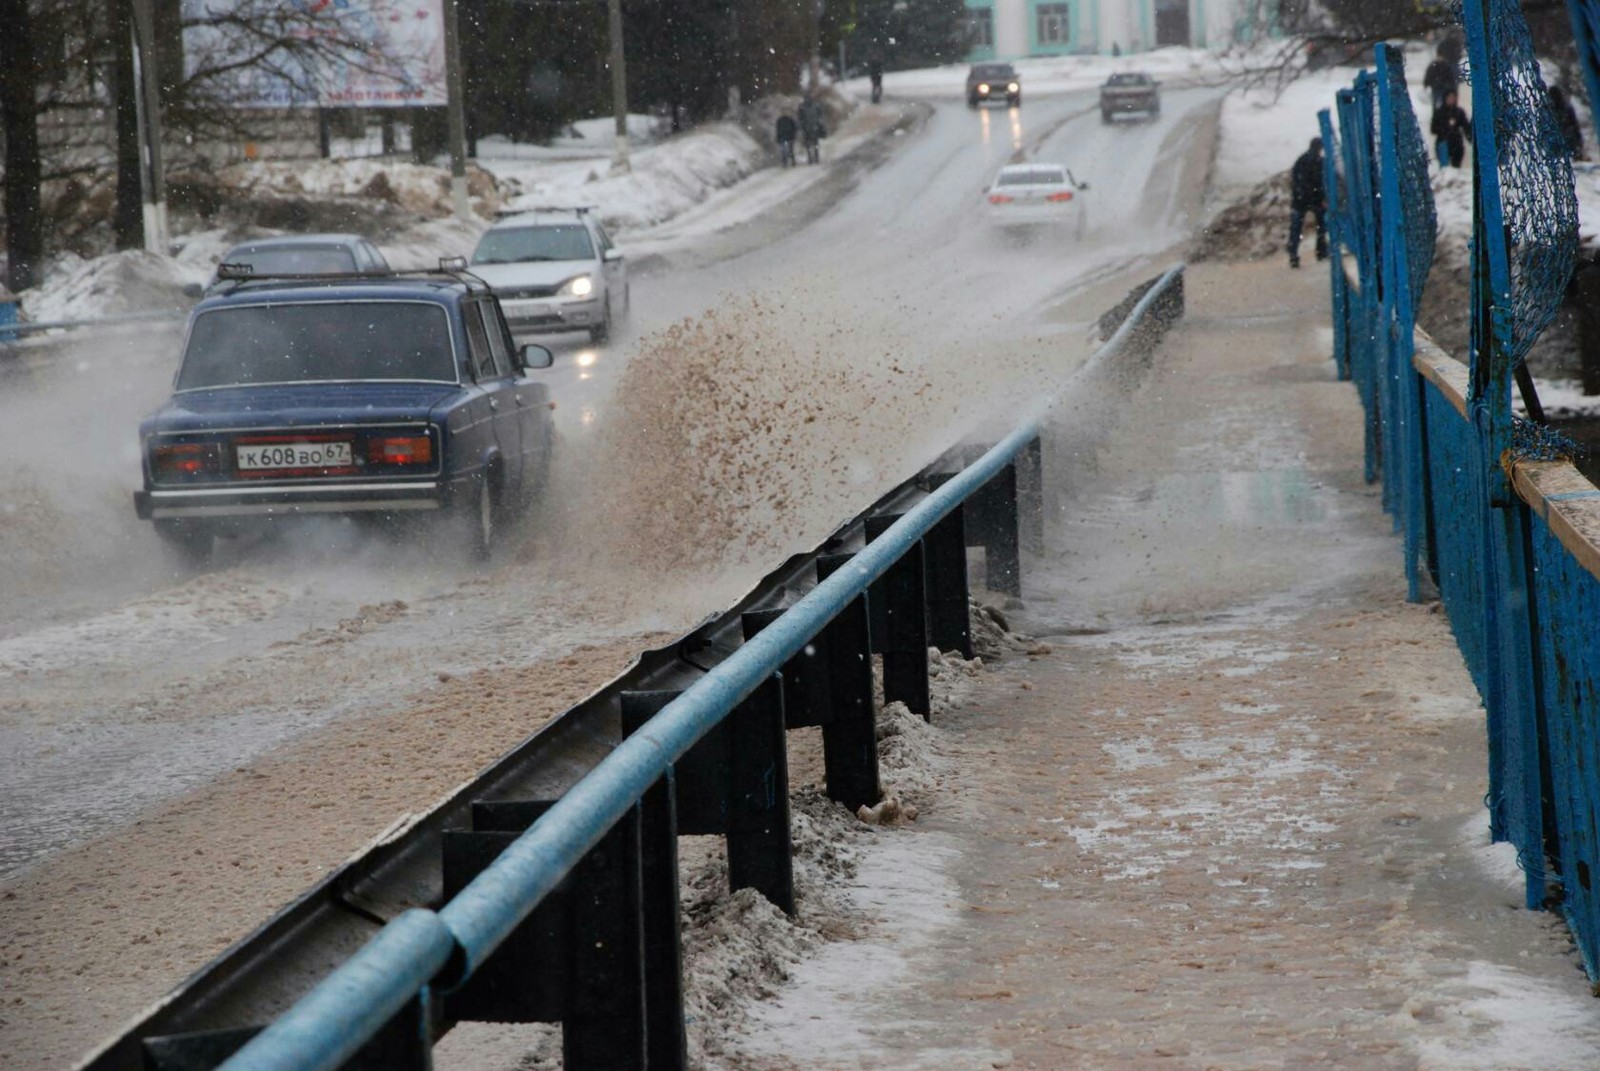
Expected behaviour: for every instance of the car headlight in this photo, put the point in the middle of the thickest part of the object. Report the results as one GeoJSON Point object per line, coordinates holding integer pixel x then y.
{"type": "Point", "coordinates": [1012, 88]}
{"type": "Point", "coordinates": [983, 87]}
{"type": "Point", "coordinates": [582, 286]}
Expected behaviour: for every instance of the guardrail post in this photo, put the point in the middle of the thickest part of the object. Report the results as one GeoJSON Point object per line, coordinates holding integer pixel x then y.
{"type": "Point", "coordinates": [578, 958]}
{"type": "Point", "coordinates": [898, 604]}
{"type": "Point", "coordinates": [759, 848]}
{"type": "Point", "coordinates": [849, 744]}
{"type": "Point", "coordinates": [992, 525]}
{"type": "Point", "coordinates": [404, 1044]}
{"type": "Point", "coordinates": [850, 739]}
{"type": "Point", "coordinates": [1030, 496]}
{"type": "Point", "coordinates": [945, 552]}
{"type": "Point", "coordinates": [734, 783]}
{"type": "Point", "coordinates": [666, 1040]}
{"type": "Point", "coordinates": [805, 676]}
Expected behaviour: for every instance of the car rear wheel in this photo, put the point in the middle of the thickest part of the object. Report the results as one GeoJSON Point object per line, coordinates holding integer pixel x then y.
{"type": "Point", "coordinates": [601, 331]}
{"type": "Point", "coordinates": [188, 543]}
{"type": "Point", "coordinates": [473, 519]}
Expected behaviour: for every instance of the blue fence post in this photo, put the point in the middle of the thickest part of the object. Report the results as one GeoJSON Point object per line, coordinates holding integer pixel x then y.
{"type": "Point", "coordinates": [1336, 239]}
{"type": "Point", "coordinates": [1408, 237]}
{"type": "Point", "coordinates": [1355, 121]}
{"type": "Point", "coordinates": [1515, 778]}
{"type": "Point", "coordinates": [1586, 34]}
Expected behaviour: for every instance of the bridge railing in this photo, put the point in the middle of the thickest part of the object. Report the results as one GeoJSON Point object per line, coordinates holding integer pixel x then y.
{"type": "Point", "coordinates": [1490, 505]}
{"type": "Point", "coordinates": [378, 1007]}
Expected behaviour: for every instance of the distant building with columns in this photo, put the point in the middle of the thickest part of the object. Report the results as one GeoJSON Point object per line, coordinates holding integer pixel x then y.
{"type": "Point", "coordinates": [1010, 29]}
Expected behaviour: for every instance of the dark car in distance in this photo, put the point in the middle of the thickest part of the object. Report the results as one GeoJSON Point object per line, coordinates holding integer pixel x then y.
{"type": "Point", "coordinates": [1127, 93]}
{"type": "Point", "coordinates": [993, 81]}
{"type": "Point", "coordinates": [354, 395]}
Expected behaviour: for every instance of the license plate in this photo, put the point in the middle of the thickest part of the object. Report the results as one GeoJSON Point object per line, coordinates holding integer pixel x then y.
{"type": "Point", "coordinates": [256, 457]}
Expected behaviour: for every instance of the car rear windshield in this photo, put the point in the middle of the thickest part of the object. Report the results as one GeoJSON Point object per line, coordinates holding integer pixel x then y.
{"type": "Point", "coordinates": [300, 260]}
{"type": "Point", "coordinates": [513, 245]}
{"type": "Point", "coordinates": [318, 341]}
{"type": "Point", "coordinates": [1033, 176]}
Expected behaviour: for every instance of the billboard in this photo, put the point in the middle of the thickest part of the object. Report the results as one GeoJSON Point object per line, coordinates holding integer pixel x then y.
{"type": "Point", "coordinates": [327, 53]}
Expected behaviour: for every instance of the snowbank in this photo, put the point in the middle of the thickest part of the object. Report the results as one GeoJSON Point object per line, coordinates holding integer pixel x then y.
{"type": "Point", "coordinates": [665, 179]}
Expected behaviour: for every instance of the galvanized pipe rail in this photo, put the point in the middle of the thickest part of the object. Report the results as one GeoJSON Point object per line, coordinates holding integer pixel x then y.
{"type": "Point", "coordinates": [542, 879]}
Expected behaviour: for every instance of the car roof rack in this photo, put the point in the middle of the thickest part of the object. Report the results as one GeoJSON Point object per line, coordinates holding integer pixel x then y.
{"type": "Point", "coordinates": [453, 268]}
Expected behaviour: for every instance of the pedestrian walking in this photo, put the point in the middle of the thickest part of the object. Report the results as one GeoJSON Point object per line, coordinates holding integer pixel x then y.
{"type": "Point", "coordinates": [1307, 193]}
{"type": "Point", "coordinates": [812, 130]}
{"type": "Point", "coordinates": [1441, 78]}
{"type": "Point", "coordinates": [785, 133]}
{"type": "Point", "coordinates": [1451, 130]}
{"type": "Point", "coordinates": [1567, 119]}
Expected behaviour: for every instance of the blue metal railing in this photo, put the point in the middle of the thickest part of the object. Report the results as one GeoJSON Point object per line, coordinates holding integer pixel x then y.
{"type": "Point", "coordinates": [423, 950]}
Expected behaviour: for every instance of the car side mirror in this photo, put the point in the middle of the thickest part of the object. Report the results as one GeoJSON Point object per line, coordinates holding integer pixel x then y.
{"type": "Point", "coordinates": [535, 356]}
{"type": "Point", "coordinates": [614, 254]}
{"type": "Point", "coordinates": [193, 290]}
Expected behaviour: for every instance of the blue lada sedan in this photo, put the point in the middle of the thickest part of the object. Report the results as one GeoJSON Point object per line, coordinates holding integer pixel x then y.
{"type": "Point", "coordinates": [356, 395]}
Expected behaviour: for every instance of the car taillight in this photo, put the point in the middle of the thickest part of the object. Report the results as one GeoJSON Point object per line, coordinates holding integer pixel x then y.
{"type": "Point", "coordinates": [184, 459]}
{"type": "Point", "coordinates": [400, 450]}
{"type": "Point", "coordinates": [999, 199]}
{"type": "Point", "coordinates": [1064, 195]}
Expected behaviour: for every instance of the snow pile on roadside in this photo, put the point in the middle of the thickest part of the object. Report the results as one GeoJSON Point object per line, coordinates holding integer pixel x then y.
{"type": "Point", "coordinates": [125, 282]}
{"type": "Point", "coordinates": [1252, 228]}
{"type": "Point", "coordinates": [664, 181]}
{"type": "Point", "coordinates": [413, 188]}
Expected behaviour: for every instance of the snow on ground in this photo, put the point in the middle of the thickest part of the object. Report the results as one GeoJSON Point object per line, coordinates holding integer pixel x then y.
{"type": "Point", "coordinates": [664, 181]}
{"type": "Point", "coordinates": [668, 177]}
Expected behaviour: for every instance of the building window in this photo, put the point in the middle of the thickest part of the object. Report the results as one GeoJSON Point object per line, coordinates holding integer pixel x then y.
{"type": "Point", "coordinates": [980, 28]}
{"type": "Point", "coordinates": [1054, 24]}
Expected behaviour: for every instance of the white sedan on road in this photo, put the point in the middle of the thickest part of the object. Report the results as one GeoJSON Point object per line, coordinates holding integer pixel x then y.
{"type": "Point", "coordinates": [1035, 194]}
{"type": "Point", "coordinates": [554, 270]}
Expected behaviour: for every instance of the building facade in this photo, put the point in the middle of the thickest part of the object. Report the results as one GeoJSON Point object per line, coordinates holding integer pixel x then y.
{"type": "Point", "coordinates": [1010, 29]}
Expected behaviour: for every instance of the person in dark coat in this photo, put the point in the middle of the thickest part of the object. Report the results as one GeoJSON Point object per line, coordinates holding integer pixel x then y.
{"type": "Point", "coordinates": [1307, 193]}
{"type": "Point", "coordinates": [787, 129]}
{"type": "Point", "coordinates": [811, 128]}
{"type": "Point", "coordinates": [1441, 78]}
{"type": "Point", "coordinates": [1567, 119]}
{"type": "Point", "coordinates": [1452, 130]}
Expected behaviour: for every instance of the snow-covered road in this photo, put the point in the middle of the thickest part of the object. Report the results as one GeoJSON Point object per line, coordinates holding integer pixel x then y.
{"type": "Point", "coordinates": [774, 378]}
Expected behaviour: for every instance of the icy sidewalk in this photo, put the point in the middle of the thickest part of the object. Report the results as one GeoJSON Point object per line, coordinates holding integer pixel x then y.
{"type": "Point", "coordinates": [1231, 814]}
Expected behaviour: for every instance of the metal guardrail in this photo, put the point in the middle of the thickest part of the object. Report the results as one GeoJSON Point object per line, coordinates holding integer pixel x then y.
{"type": "Point", "coordinates": [21, 328]}
{"type": "Point", "coordinates": [598, 864]}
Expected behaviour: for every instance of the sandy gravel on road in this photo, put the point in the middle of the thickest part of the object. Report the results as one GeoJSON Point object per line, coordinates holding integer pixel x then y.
{"type": "Point", "coordinates": [1235, 820]}
{"type": "Point", "coordinates": [88, 939]}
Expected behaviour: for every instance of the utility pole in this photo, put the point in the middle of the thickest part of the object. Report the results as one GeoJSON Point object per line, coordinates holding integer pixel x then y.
{"type": "Point", "coordinates": [620, 163]}
{"type": "Point", "coordinates": [455, 108]}
{"type": "Point", "coordinates": [152, 170]}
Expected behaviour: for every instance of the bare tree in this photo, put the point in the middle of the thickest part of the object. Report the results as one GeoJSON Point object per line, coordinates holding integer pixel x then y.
{"type": "Point", "coordinates": [19, 110]}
